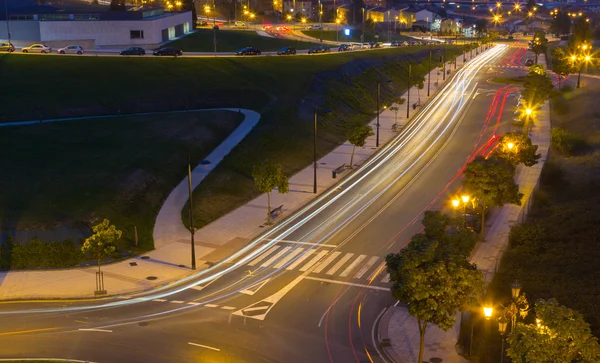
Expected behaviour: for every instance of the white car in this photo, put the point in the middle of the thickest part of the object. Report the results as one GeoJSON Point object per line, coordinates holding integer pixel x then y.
{"type": "Point", "coordinates": [240, 24]}
{"type": "Point", "coordinates": [37, 48]}
{"type": "Point", "coordinates": [71, 49]}
{"type": "Point", "coordinates": [315, 27]}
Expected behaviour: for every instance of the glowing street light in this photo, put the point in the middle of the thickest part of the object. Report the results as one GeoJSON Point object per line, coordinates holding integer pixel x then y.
{"type": "Point", "coordinates": [499, 4]}
{"type": "Point", "coordinates": [488, 311]}
{"type": "Point", "coordinates": [528, 111]}
{"type": "Point", "coordinates": [510, 145]}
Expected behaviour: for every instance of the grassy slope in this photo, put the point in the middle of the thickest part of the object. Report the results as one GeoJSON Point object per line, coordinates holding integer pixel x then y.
{"type": "Point", "coordinates": [559, 256]}
{"type": "Point", "coordinates": [274, 86]}
{"type": "Point", "coordinates": [120, 168]}
{"type": "Point", "coordinates": [232, 40]}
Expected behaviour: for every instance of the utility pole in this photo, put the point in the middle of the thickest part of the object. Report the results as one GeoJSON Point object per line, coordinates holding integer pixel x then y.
{"type": "Point", "coordinates": [429, 74]}
{"type": "Point", "coordinates": [408, 92]}
{"type": "Point", "coordinates": [444, 59]}
{"type": "Point", "coordinates": [378, 93]}
{"type": "Point", "coordinates": [192, 229]}
{"type": "Point", "coordinates": [315, 151]}
{"type": "Point", "coordinates": [7, 19]}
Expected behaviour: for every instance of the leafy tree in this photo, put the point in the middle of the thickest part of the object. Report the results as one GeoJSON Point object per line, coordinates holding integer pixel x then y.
{"type": "Point", "coordinates": [517, 149]}
{"type": "Point", "coordinates": [481, 26]}
{"type": "Point", "coordinates": [582, 32]}
{"type": "Point", "coordinates": [561, 24]}
{"type": "Point", "coordinates": [537, 88]}
{"type": "Point", "coordinates": [268, 176]}
{"type": "Point", "coordinates": [103, 242]}
{"type": "Point", "coordinates": [433, 288]}
{"type": "Point", "coordinates": [420, 86]}
{"type": "Point", "coordinates": [558, 335]}
{"type": "Point", "coordinates": [357, 135]}
{"type": "Point", "coordinates": [491, 182]}
{"type": "Point", "coordinates": [395, 109]}
{"type": "Point", "coordinates": [454, 238]}
{"type": "Point", "coordinates": [540, 44]}
{"type": "Point", "coordinates": [561, 64]}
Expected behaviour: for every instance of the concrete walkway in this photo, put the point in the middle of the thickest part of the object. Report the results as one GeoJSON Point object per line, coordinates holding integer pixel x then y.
{"type": "Point", "coordinates": [170, 260]}
{"type": "Point", "coordinates": [401, 328]}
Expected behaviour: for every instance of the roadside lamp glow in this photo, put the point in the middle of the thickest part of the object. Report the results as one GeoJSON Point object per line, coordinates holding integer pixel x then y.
{"type": "Point", "coordinates": [455, 203]}
{"type": "Point", "coordinates": [337, 21]}
{"type": "Point", "coordinates": [465, 199]}
{"type": "Point", "coordinates": [509, 13]}
{"type": "Point", "coordinates": [515, 289]}
{"type": "Point", "coordinates": [528, 111]}
{"type": "Point", "coordinates": [499, 4]}
{"type": "Point", "coordinates": [502, 323]}
{"type": "Point", "coordinates": [289, 17]}
{"type": "Point", "coordinates": [587, 58]}
{"type": "Point", "coordinates": [303, 20]}
{"type": "Point", "coordinates": [251, 16]}
{"type": "Point", "coordinates": [488, 311]}
{"type": "Point", "coordinates": [530, 13]}
{"type": "Point", "coordinates": [510, 145]}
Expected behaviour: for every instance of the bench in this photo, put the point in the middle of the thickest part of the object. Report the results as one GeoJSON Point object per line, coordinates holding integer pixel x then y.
{"type": "Point", "coordinates": [337, 170]}
{"type": "Point", "coordinates": [276, 211]}
{"type": "Point", "coordinates": [395, 127]}
{"type": "Point", "coordinates": [416, 104]}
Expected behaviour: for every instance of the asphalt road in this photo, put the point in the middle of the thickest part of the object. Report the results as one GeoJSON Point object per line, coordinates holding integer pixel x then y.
{"type": "Point", "coordinates": [311, 289]}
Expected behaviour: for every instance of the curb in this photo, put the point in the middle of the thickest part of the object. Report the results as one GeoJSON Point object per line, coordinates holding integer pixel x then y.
{"type": "Point", "coordinates": [44, 359]}
{"type": "Point", "coordinates": [381, 340]}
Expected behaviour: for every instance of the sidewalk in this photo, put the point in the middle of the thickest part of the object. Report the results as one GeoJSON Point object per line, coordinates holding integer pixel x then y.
{"type": "Point", "coordinates": [401, 329]}
{"type": "Point", "coordinates": [170, 260]}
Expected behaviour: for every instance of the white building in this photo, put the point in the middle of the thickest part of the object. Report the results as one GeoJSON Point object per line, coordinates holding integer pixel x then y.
{"type": "Point", "coordinates": [102, 29]}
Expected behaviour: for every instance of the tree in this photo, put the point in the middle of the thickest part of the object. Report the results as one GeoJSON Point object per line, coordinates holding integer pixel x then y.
{"type": "Point", "coordinates": [268, 176]}
{"type": "Point", "coordinates": [395, 109]}
{"type": "Point", "coordinates": [561, 24]}
{"type": "Point", "coordinates": [454, 238]}
{"type": "Point", "coordinates": [517, 149]}
{"type": "Point", "coordinates": [433, 288]}
{"type": "Point", "coordinates": [103, 242]}
{"type": "Point", "coordinates": [357, 135]}
{"type": "Point", "coordinates": [537, 88]}
{"type": "Point", "coordinates": [558, 335]}
{"type": "Point", "coordinates": [420, 86]}
{"type": "Point", "coordinates": [582, 32]}
{"type": "Point", "coordinates": [540, 44]}
{"type": "Point", "coordinates": [561, 64]}
{"type": "Point", "coordinates": [481, 26]}
{"type": "Point", "coordinates": [491, 182]}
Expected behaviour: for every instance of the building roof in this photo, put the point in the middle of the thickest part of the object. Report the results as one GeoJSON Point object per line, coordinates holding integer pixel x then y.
{"type": "Point", "coordinates": [102, 12]}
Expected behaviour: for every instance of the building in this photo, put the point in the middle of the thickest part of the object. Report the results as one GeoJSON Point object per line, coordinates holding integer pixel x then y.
{"type": "Point", "coordinates": [468, 30]}
{"type": "Point", "coordinates": [384, 15]}
{"type": "Point", "coordinates": [93, 27]}
{"type": "Point", "coordinates": [449, 26]}
{"type": "Point", "coordinates": [376, 3]}
{"type": "Point", "coordinates": [304, 8]}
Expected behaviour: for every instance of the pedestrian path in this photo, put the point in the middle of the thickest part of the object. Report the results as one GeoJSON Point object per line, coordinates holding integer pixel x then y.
{"type": "Point", "coordinates": [324, 261]}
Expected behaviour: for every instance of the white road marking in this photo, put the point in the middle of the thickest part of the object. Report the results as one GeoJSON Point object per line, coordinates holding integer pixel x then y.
{"type": "Point", "coordinates": [227, 307]}
{"type": "Point", "coordinates": [339, 264]}
{"type": "Point", "coordinates": [263, 256]}
{"type": "Point", "coordinates": [378, 270]}
{"type": "Point", "coordinates": [193, 303]}
{"type": "Point", "coordinates": [348, 283]}
{"type": "Point", "coordinates": [160, 300]}
{"type": "Point", "coordinates": [257, 308]}
{"type": "Point", "coordinates": [211, 305]}
{"type": "Point", "coordinates": [300, 260]}
{"type": "Point", "coordinates": [386, 278]}
{"type": "Point", "coordinates": [327, 261]}
{"type": "Point", "coordinates": [275, 257]}
{"type": "Point", "coordinates": [289, 257]}
{"type": "Point", "coordinates": [124, 297]}
{"type": "Point", "coordinates": [367, 266]}
{"type": "Point", "coordinates": [98, 330]}
{"type": "Point", "coordinates": [353, 265]}
{"type": "Point", "coordinates": [314, 260]}
{"type": "Point", "coordinates": [204, 346]}
{"type": "Point", "coordinates": [251, 290]}
{"type": "Point", "coordinates": [300, 243]}
{"type": "Point", "coordinates": [196, 287]}
{"type": "Point", "coordinates": [177, 301]}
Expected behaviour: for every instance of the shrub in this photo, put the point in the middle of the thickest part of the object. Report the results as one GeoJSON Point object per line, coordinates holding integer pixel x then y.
{"type": "Point", "coordinates": [566, 142]}
{"type": "Point", "coordinates": [39, 254]}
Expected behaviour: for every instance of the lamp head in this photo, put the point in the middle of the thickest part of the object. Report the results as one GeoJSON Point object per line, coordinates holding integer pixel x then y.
{"type": "Point", "coordinates": [488, 311]}
{"type": "Point", "coordinates": [465, 198]}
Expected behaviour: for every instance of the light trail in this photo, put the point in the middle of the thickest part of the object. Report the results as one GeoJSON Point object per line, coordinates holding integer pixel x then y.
{"type": "Point", "coordinates": [428, 126]}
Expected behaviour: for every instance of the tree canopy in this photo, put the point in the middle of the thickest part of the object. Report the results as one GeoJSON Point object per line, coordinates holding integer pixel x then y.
{"type": "Point", "coordinates": [582, 32]}
{"type": "Point", "coordinates": [561, 64]}
{"type": "Point", "coordinates": [103, 241]}
{"type": "Point", "coordinates": [517, 148]}
{"type": "Point", "coordinates": [357, 135]}
{"type": "Point", "coordinates": [561, 24]}
{"type": "Point", "coordinates": [539, 45]}
{"type": "Point", "coordinates": [537, 88]}
{"type": "Point", "coordinates": [481, 26]}
{"type": "Point", "coordinates": [268, 176]}
{"type": "Point", "coordinates": [491, 181]}
{"type": "Point", "coordinates": [558, 335]}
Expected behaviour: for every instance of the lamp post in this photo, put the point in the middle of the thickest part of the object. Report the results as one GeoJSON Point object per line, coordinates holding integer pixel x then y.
{"type": "Point", "coordinates": [337, 30]}
{"type": "Point", "coordinates": [429, 74]}
{"type": "Point", "coordinates": [191, 209]}
{"type": "Point", "coordinates": [408, 91]}
{"type": "Point", "coordinates": [315, 113]}
{"type": "Point", "coordinates": [7, 20]}
{"type": "Point", "coordinates": [502, 323]}
{"type": "Point", "coordinates": [378, 95]}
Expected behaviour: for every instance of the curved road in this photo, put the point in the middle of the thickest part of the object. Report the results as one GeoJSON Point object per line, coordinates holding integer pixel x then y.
{"type": "Point", "coordinates": [311, 288]}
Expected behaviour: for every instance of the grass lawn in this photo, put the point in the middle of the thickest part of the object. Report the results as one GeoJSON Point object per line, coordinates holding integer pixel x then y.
{"type": "Point", "coordinates": [232, 40]}
{"type": "Point", "coordinates": [119, 168]}
{"type": "Point", "coordinates": [555, 253]}
{"type": "Point", "coordinates": [276, 87]}
{"type": "Point", "coordinates": [354, 35]}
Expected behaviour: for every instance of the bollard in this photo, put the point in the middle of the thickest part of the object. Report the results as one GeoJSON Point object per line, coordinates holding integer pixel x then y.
{"type": "Point", "coordinates": [333, 174]}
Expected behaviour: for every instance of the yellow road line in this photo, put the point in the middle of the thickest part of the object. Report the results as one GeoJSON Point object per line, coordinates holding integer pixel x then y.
{"type": "Point", "coordinates": [26, 331]}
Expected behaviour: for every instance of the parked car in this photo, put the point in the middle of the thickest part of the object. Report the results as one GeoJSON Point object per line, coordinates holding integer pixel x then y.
{"type": "Point", "coordinates": [315, 27]}
{"type": "Point", "coordinates": [203, 23]}
{"type": "Point", "coordinates": [395, 43]}
{"type": "Point", "coordinates": [37, 48]}
{"type": "Point", "coordinates": [325, 49]}
{"type": "Point", "coordinates": [315, 50]}
{"type": "Point", "coordinates": [248, 51]}
{"type": "Point", "coordinates": [344, 48]}
{"type": "Point", "coordinates": [374, 45]}
{"type": "Point", "coordinates": [6, 47]}
{"type": "Point", "coordinates": [168, 51]}
{"type": "Point", "coordinates": [71, 49]}
{"type": "Point", "coordinates": [286, 51]}
{"type": "Point", "coordinates": [133, 51]}
{"type": "Point", "coordinates": [529, 62]}
{"type": "Point", "coordinates": [240, 24]}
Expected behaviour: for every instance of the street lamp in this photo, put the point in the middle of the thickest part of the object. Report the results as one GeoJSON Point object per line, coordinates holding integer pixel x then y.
{"type": "Point", "coordinates": [315, 113]}
{"type": "Point", "coordinates": [488, 311]}
{"type": "Point", "coordinates": [378, 109]}
{"type": "Point", "coordinates": [337, 29]}
{"type": "Point", "coordinates": [510, 145]}
{"type": "Point", "coordinates": [502, 323]}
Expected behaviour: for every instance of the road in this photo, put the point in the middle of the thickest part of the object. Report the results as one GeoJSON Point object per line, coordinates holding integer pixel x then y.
{"type": "Point", "coordinates": [312, 287]}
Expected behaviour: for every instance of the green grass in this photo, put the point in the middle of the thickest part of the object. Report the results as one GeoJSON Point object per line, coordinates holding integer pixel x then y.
{"type": "Point", "coordinates": [117, 168]}
{"type": "Point", "coordinates": [276, 87]}
{"type": "Point", "coordinates": [232, 40]}
{"type": "Point", "coordinates": [555, 253]}
{"type": "Point", "coordinates": [354, 35]}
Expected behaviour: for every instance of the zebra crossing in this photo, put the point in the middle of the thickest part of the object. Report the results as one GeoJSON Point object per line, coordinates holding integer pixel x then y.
{"type": "Point", "coordinates": [323, 261]}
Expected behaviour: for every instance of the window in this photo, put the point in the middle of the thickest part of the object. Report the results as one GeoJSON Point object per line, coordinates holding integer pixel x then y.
{"type": "Point", "coordinates": [136, 34]}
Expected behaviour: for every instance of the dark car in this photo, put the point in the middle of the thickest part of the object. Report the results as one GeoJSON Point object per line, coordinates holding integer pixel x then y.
{"type": "Point", "coordinates": [6, 47]}
{"type": "Point", "coordinates": [202, 23]}
{"type": "Point", "coordinates": [248, 51]}
{"type": "Point", "coordinates": [529, 62]}
{"type": "Point", "coordinates": [133, 51]}
{"type": "Point", "coordinates": [374, 45]}
{"type": "Point", "coordinates": [344, 48]}
{"type": "Point", "coordinates": [325, 49]}
{"type": "Point", "coordinates": [286, 51]}
{"type": "Point", "coordinates": [395, 43]}
{"type": "Point", "coordinates": [315, 50]}
{"type": "Point", "coordinates": [168, 51]}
